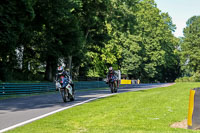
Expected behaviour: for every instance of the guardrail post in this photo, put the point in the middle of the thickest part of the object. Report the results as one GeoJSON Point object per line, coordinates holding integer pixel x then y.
{"type": "Point", "coordinates": [48, 86]}
{"type": "Point", "coordinates": [3, 89]}
{"type": "Point", "coordinates": [30, 88]}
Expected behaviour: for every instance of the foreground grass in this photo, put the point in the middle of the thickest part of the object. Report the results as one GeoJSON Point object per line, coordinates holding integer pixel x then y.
{"type": "Point", "coordinates": [143, 111]}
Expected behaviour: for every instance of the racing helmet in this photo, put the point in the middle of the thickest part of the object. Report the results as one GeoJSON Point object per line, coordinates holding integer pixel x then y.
{"type": "Point", "coordinates": [110, 68]}
{"type": "Point", "coordinates": [60, 69]}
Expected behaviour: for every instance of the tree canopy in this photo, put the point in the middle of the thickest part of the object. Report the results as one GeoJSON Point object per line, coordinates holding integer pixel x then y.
{"type": "Point", "coordinates": [190, 47]}
{"type": "Point", "coordinates": [133, 36]}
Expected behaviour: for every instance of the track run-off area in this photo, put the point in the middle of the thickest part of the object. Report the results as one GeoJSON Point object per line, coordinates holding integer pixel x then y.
{"type": "Point", "coordinates": [16, 112]}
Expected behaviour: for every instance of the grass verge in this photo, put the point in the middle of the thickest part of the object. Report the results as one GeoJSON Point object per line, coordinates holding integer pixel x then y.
{"type": "Point", "coordinates": [151, 110]}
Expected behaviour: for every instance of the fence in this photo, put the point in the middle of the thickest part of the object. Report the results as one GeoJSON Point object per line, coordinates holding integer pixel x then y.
{"type": "Point", "coordinates": [30, 88]}
{"type": "Point", "coordinates": [25, 88]}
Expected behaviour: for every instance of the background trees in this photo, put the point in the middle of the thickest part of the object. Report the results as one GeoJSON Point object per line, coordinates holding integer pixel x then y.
{"type": "Point", "coordinates": [149, 50]}
{"type": "Point", "coordinates": [88, 37]}
{"type": "Point", "coordinates": [189, 48]}
{"type": "Point", "coordinates": [14, 16]}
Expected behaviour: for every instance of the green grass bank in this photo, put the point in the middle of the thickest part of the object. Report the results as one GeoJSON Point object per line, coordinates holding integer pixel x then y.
{"type": "Point", "coordinates": [143, 111]}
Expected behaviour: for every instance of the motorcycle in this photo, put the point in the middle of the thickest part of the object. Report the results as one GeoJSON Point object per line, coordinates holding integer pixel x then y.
{"type": "Point", "coordinates": [65, 89]}
{"type": "Point", "coordinates": [113, 84]}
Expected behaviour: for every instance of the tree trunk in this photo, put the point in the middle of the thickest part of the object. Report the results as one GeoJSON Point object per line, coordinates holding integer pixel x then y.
{"type": "Point", "coordinates": [69, 64]}
{"type": "Point", "coordinates": [2, 70]}
{"type": "Point", "coordinates": [87, 33]}
{"type": "Point", "coordinates": [77, 72]}
{"type": "Point", "coordinates": [50, 72]}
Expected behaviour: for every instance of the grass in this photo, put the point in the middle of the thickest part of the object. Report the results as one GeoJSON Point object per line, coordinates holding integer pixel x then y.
{"type": "Point", "coordinates": [151, 110]}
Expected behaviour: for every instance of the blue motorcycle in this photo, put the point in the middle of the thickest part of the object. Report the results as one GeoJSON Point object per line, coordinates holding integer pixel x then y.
{"type": "Point", "coordinates": [65, 89]}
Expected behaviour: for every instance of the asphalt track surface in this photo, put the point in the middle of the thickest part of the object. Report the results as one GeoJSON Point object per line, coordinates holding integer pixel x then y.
{"type": "Point", "coordinates": [19, 111]}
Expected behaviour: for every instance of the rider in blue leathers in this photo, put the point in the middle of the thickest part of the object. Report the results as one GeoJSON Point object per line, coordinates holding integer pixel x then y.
{"type": "Point", "coordinates": [61, 72]}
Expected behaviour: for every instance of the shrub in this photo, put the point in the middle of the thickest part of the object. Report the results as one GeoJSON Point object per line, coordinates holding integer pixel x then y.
{"type": "Point", "coordinates": [194, 78]}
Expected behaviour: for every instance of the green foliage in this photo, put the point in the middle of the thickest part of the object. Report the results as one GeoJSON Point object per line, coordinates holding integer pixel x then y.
{"type": "Point", "coordinates": [190, 52]}
{"type": "Point", "coordinates": [194, 78]}
{"type": "Point", "coordinates": [149, 51]}
{"type": "Point", "coordinates": [14, 15]}
{"type": "Point", "coordinates": [131, 35]}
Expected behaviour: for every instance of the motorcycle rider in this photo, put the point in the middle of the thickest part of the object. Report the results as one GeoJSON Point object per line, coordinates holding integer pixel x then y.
{"type": "Point", "coordinates": [62, 72]}
{"type": "Point", "coordinates": [110, 74]}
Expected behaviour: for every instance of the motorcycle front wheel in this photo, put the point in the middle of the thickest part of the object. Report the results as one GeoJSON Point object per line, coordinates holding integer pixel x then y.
{"type": "Point", "coordinates": [115, 87]}
{"type": "Point", "coordinates": [64, 93]}
{"type": "Point", "coordinates": [71, 97]}
{"type": "Point", "coordinates": [112, 87]}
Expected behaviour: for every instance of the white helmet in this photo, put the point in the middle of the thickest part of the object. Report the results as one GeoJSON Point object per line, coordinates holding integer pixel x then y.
{"type": "Point", "coordinates": [110, 68]}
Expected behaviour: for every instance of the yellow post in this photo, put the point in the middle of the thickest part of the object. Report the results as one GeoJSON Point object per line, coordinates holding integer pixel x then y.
{"type": "Point", "coordinates": [125, 81]}
{"type": "Point", "coordinates": [191, 107]}
{"type": "Point", "coordinates": [138, 81]}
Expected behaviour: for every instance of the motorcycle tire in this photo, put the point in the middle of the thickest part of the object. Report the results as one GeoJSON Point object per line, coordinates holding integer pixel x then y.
{"type": "Point", "coordinates": [72, 97]}
{"type": "Point", "coordinates": [115, 87]}
{"type": "Point", "coordinates": [112, 87]}
{"type": "Point", "coordinates": [63, 93]}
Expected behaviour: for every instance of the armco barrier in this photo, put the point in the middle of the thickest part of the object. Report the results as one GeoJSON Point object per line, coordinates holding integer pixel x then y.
{"type": "Point", "coordinates": [25, 88]}
{"type": "Point", "coordinates": [29, 88]}
{"type": "Point", "coordinates": [194, 109]}
{"type": "Point", "coordinates": [89, 84]}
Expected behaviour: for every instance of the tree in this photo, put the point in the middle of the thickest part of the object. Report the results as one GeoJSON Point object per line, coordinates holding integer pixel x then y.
{"type": "Point", "coordinates": [152, 44]}
{"type": "Point", "coordinates": [93, 16]}
{"type": "Point", "coordinates": [190, 53]}
{"type": "Point", "coordinates": [59, 28]}
{"type": "Point", "coordinates": [13, 17]}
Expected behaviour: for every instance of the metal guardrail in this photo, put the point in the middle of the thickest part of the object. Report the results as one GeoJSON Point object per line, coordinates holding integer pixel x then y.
{"type": "Point", "coordinates": [30, 88]}
{"type": "Point", "coordinates": [89, 84]}
{"type": "Point", "coordinates": [25, 88]}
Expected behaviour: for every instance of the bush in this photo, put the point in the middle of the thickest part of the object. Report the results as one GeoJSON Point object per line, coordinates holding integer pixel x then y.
{"type": "Point", "coordinates": [194, 78]}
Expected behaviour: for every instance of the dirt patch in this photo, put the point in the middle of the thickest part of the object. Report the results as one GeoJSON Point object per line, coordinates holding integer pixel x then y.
{"type": "Point", "coordinates": [182, 124]}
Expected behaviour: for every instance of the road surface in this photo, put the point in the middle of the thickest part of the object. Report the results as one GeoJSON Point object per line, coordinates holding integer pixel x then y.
{"type": "Point", "coordinates": [19, 111]}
